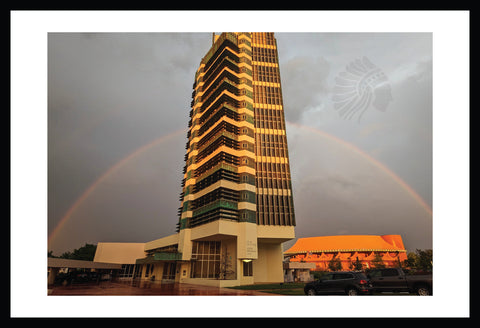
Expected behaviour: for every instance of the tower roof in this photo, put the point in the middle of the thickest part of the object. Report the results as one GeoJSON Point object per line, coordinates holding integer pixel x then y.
{"type": "Point", "coordinates": [348, 243]}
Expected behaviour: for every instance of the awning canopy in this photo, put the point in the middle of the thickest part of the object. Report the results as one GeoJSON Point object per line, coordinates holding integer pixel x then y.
{"type": "Point", "coordinates": [159, 257]}
{"type": "Point", "coordinates": [347, 243]}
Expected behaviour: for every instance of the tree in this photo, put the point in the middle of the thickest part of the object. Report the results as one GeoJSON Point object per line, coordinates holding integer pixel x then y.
{"type": "Point", "coordinates": [377, 262]}
{"type": "Point", "coordinates": [225, 266]}
{"type": "Point", "coordinates": [424, 261]}
{"type": "Point", "coordinates": [421, 260]}
{"type": "Point", "coordinates": [357, 265]}
{"type": "Point", "coordinates": [335, 264]}
{"type": "Point", "coordinates": [84, 253]}
{"type": "Point", "coordinates": [410, 261]}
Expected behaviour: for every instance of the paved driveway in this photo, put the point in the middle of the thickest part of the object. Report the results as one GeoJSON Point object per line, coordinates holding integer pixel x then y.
{"type": "Point", "coordinates": [116, 288]}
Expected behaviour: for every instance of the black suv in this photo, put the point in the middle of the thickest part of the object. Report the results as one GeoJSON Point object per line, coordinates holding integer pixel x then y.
{"type": "Point", "coordinates": [346, 282]}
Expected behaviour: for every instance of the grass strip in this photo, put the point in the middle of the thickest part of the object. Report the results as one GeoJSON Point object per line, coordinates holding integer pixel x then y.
{"type": "Point", "coordinates": [293, 285]}
{"type": "Point", "coordinates": [279, 288]}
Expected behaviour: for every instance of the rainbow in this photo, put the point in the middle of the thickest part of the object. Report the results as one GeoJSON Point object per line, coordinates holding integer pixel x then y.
{"type": "Point", "coordinates": [144, 148]}
{"type": "Point", "coordinates": [370, 159]}
{"type": "Point", "coordinates": [107, 173]}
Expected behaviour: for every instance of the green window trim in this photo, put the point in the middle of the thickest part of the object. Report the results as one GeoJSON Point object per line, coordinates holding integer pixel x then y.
{"type": "Point", "coordinates": [247, 216]}
{"type": "Point", "coordinates": [248, 196]}
{"type": "Point", "coordinates": [216, 204]}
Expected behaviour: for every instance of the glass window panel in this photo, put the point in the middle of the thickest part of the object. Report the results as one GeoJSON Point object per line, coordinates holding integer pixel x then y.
{"type": "Point", "coordinates": [204, 269]}
{"type": "Point", "coordinates": [208, 260]}
{"type": "Point", "coordinates": [211, 269]}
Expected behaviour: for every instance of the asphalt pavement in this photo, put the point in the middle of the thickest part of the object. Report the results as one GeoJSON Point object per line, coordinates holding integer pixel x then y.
{"type": "Point", "coordinates": [131, 288]}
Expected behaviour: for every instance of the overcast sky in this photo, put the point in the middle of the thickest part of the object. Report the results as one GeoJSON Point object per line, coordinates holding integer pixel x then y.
{"type": "Point", "coordinates": [118, 109]}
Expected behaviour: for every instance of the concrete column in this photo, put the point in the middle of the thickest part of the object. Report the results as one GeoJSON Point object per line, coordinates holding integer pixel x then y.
{"type": "Point", "coordinates": [289, 275]}
{"type": "Point", "coordinates": [52, 275]}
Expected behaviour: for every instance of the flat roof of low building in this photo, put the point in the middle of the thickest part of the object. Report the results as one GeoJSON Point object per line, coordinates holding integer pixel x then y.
{"type": "Point", "coordinates": [162, 242]}
{"type": "Point", "coordinates": [119, 253]}
{"type": "Point", "coordinates": [54, 262]}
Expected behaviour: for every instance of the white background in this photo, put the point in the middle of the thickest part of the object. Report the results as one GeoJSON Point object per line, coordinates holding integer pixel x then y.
{"type": "Point", "coordinates": [29, 163]}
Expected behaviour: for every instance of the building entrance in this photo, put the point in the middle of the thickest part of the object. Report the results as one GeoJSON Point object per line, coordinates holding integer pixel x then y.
{"type": "Point", "coordinates": [169, 269]}
{"type": "Point", "coordinates": [206, 259]}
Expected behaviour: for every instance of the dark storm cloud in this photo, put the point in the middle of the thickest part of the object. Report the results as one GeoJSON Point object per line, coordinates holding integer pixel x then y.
{"type": "Point", "coordinates": [301, 75]}
{"type": "Point", "coordinates": [136, 202]}
{"type": "Point", "coordinates": [337, 191]}
{"type": "Point", "coordinates": [401, 136]}
{"type": "Point", "coordinates": [109, 94]}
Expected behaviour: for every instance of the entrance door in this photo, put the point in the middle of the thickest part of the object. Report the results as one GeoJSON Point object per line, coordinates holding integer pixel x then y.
{"type": "Point", "coordinates": [169, 269]}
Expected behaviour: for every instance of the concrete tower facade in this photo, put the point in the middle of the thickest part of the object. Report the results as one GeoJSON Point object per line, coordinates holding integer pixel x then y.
{"type": "Point", "coordinates": [236, 200]}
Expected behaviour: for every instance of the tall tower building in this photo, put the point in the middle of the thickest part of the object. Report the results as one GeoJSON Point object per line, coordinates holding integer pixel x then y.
{"type": "Point", "coordinates": [236, 200]}
{"type": "Point", "coordinates": [237, 156]}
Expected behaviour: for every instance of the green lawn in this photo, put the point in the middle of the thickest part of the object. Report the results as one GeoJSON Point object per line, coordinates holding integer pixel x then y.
{"type": "Point", "coordinates": [293, 288]}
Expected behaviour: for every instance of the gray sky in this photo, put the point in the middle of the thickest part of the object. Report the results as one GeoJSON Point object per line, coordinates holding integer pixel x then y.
{"type": "Point", "coordinates": [118, 109]}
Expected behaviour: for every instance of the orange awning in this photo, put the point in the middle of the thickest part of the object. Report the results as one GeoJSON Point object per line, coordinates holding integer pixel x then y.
{"type": "Point", "coordinates": [348, 243]}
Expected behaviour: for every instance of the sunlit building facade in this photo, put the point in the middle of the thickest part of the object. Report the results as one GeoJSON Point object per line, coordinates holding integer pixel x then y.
{"type": "Point", "coordinates": [236, 198]}
{"type": "Point", "coordinates": [349, 252]}
{"type": "Point", "coordinates": [237, 157]}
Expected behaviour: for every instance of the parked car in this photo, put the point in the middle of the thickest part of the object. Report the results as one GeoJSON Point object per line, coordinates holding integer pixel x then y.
{"type": "Point", "coordinates": [345, 282]}
{"type": "Point", "coordinates": [75, 277]}
{"type": "Point", "coordinates": [396, 280]}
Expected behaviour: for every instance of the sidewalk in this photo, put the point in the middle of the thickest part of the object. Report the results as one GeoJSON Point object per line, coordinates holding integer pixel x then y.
{"type": "Point", "coordinates": [117, 288]}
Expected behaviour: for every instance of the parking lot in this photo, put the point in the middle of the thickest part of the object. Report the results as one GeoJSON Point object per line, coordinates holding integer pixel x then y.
{"type": "Point", "coordinates": [117, 288]}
